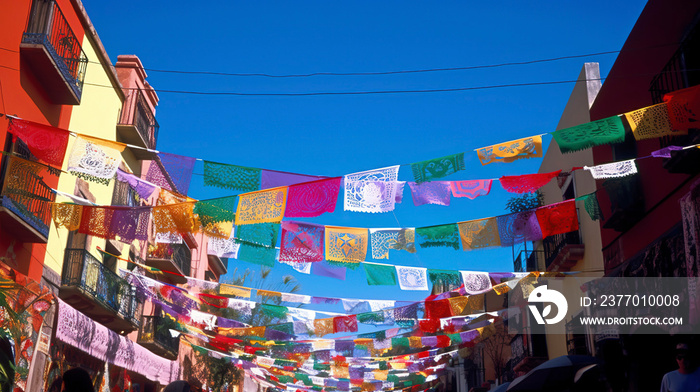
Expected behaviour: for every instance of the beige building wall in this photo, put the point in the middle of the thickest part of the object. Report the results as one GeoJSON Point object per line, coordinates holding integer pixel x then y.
{"type": "Point", "coordinates": [575, 113]}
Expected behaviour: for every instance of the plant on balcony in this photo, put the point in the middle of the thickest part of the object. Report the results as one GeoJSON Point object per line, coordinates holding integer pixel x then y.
{"type": "Point", "coordinates": [160, 251]}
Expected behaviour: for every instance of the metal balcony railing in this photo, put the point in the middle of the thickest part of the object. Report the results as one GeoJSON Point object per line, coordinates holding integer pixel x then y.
{"type": "Point", "coordinates": [25, 193]}
{"type": "Point", "coordinates": [156, 330]}
{"type": "Point", "coordinates": [48, 26]}
{"type": "Point", "coordinates": [527, 260]}
{"type": "Point", "coordinates": [83, 271]}
{"type": "Point", "coordinates": [179, 254]}
{"type": "Point", "coordinates": [138, 114]}
{"type": "Point", "coordinates": [554, 244]}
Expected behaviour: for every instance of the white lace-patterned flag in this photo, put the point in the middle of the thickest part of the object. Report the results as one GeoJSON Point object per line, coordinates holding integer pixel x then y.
{"type": "Point", "coordinates": [94, 159]}
{"type": "Point", "coordinates": [613, 170]}
{"type": "Point", "coordinates": [476, 282]}
{"type": "Point", "coordinates": [376, 305]}
{"type": "Point", "coordinates": [223, 247]}
{"type": "Point", "coordinates": [372, 190]}
{"type": "Point", "coordinates": [412, 278]}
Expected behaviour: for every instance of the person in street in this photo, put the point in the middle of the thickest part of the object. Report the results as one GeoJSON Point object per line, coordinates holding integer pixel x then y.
{"type": "Point", "coordinates": [77, 380]}
{"type": "Point", "coordinates": [687, 377]}
{"type": "Point", "coordinates": [178, 386]}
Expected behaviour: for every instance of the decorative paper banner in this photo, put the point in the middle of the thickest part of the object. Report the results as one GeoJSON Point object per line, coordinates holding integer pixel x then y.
{"type": "Point", "coordinates": [323, 269]}
{"type": "Point", "coordinates": [470, 189]}
{"type": "Point", "coordinates": [527, 183]}
{"type": "Point", "coordinates": [438, 236]}
{"type": "Point", "coordinates": [399, 191]}
{"type": "Point", "coordinates": [434, 192]}
{"type": "Point", "coordinates": [447, 280]}
{"type": "Point", "coordinates": [412, 278]}
{"type": "Point", "coordinates": [47, 143]}
{"type": "Point", "coordinates": [179, 168]}
{"type": "Point", "coordinates": [94, 159]}
{"type": "Point", "coordinates": [130, 224]}
{"type": "Point", "coordinates": [606, 131]}
{"type": "Point", "coordinates": [558, 218]}
{"type": "Point", "coordinates": [665, 152]}
{"type": "Point", "coordinates": [263, 234]}
{"type": "Point", "coordinates": [275, 179]}
{"type": "Point", "coordinates": [105, 345]}
{"type": "Point", "coordinates": [257, 254]}
{"type": "Point", "coordinates": [312, 199]}
{"type": "Point", "coordinates": [96, 221]}
{"type": "Point", "coordinates": [406, 240]}
{"type": "Point", "coordinates": [476, 282]}
{"type": "Point", "coordinates": [684, 108]}
{"type": "Point", "coordinates": [236, 291]}
{"type": "Point", "coordinates": [302, 242]}
{"type": "Point", "coordinates": [613, 170]}
{"type": "Point", "coordinates": [651, 122]}
{"type": "Point", "coordinates": [529, 147]}
{"type": "Point", "coordinates": [174, 218]}
{"type": "Point", "coordinates": [67, 215]}
{"type": "Point", "coordinates": [216, 216]}
{"type": "Point", "coordinates": [345, 324]}
{"type": "Point", "coordinates": [323, 327]}
{"type": "Point", "coordinates": [246, 179]}
{"type": "Point", "coordinates": [345, 244]}
{"type": "Point", "coordinates": [478, 234]}
{"type": "Point", "coordinates": [223, 247]}
{"type": "Point", "coordinates": [261, 207]}
{"type": "Point", "coordinates": [371, 191]}
{"type": "Point", "coordinates": [437, 168]}
{"type": "Point", "coordinates": [380, 275]}
{"type": "Point", "coordinates": [143, 188]}
{"type": "Point", "coordinates": [590, 203]}
{"type": "Point", "coordinates": [518, 227]}
{"type": "Point", "coordinates": [168, 238]}
{"type": "Point", "coordinates": [382, 241]}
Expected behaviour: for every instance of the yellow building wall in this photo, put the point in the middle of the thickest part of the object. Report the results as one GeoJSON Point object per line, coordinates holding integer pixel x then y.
{"type": "Point", "coordinates": [97, 115]}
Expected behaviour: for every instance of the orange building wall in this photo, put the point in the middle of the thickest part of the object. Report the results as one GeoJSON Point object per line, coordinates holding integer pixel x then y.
{"type": "Point", "coordinates": [24, 97]}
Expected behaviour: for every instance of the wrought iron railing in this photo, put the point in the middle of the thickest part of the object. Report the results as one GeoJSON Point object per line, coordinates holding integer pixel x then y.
{"type": "Point", "coordinates": [156, 329]}
{"type": "Point", "coordinates": [48, 26]}
{"type": "Point", "coordinates": [180, 255]}
{"type": "Point", "coordinates": [138, 114]}
{"type": "Point", "coordinates": [527, 260]}
{"type": "Point", "coordinates": [25, 193]}
{"type": "Point", "coordinates": [85, 272]}
{"type": "Point", "coordinates": [555, 243]}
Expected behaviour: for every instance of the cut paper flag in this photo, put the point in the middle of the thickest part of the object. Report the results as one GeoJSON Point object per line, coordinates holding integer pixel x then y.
{"type": "Point", "coordinates": [665, 152]}
{"type": "Point", "coordinates": [345, 324]}
{"type": "Point", "coordinates": [606, 131]}
{"type": "Point", "coordinates": [518, 227]}
{"type": "Point", "coordinates": [263, 234]}
{"type": "Point", "coordinates": [412, 278]}
{"type": "Point", "coordinates": [246, 179]}
{"type": "Point", "coordinates": [445, 280]}
{"type": "Point", "coordinates": [434, 192]}
{"type": "Point", "coordinates": [383, 240]}
{"type": "Point", "coordinates": [274, 179]}
{"type": "Point", "coordinates": [529, 147]}
{"type": "Point", "coordinates": [406, 240]}
{"type": "Point", "coordinates": [345, 244]}
{"type": "Point", "coordinates": [179, 171]}
{"type": "Point", "coordinates": [380, 275]}
{"type": "Point", "coordinates": [590, 203]}
{"type": "Point", "coordinates": [527, 183]}
{"type": "Point", "coordinates": [613, 170]}
{"type": "Point", "coordinates": [257, 254]}
{"type": "Point", "coordinates": [143, 188]}
{"type": "Point", "coordinates": [437, 168]}
{"type": "Point", "coordinates": [471, 189]}
{"type": "Point", "coordinates": [684, 108]}
{"type": "Point", "coordinates": [651, 122]}
{"type": "Point", "coordinates": [261, 207]}
{"type": "Point", "coordinates": [174, 218]}
{"type": "Point", "coordinates": [323, 269]}
{"type": "Point", "coordinates": [439, 236]}
{"type": "Point", "coordinates": [216, 215]}
{"type": "Point", "coordinates": [94, 159]}
{"type": "Point", "coordinates": [312, 199]}
{"type": "Point", "coordinates": [47, 143]}
{"type": "Point", "coordinates": [476, 282]}
{"type": "Point", "coordinates": [557, 218]}
{"type": "Point", "coordinates": [66, 215]}
{"type": "Point", "coordinates": [399, 191]}
{"type": "Point", "coordinates": [130, 224]}
{"type": "Point", "coordinates": [479, 234]}
{"type": "Point", "coordinates": [223, 247]}
{"type": "Point", "coordinates": [96, 221]}
{"type": "Point", "coordinates": [301, 242]}
{"type": "Point", "coordinates": [371, 191]}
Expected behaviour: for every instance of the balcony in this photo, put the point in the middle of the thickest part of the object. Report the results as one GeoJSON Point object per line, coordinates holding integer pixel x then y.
{"type": "Point", "coordinates": [91, 288]}
{"type": "Point", "coordinates": [527, 261]}
{"type": "Point", "coordinates": [24, 208]}
{"type": "Point", "coordinates": [137, 124]}
{"type": "Point", "coordinates": [174, 259]}
{"type": "Point", "coordinates": [154, 334]}
{"type": "Point", "coordinates": [563, 251]}
{"type": "Point", "coordinates": [53, 52]}
{"type": "Point", "coordinates": [626, 202]}
{"type": "Point", "coordinates": [218, 265]}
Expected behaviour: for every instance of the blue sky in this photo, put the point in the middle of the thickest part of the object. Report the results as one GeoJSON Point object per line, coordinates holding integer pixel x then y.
{"type": "Point", "coordinates": [336, 135]}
